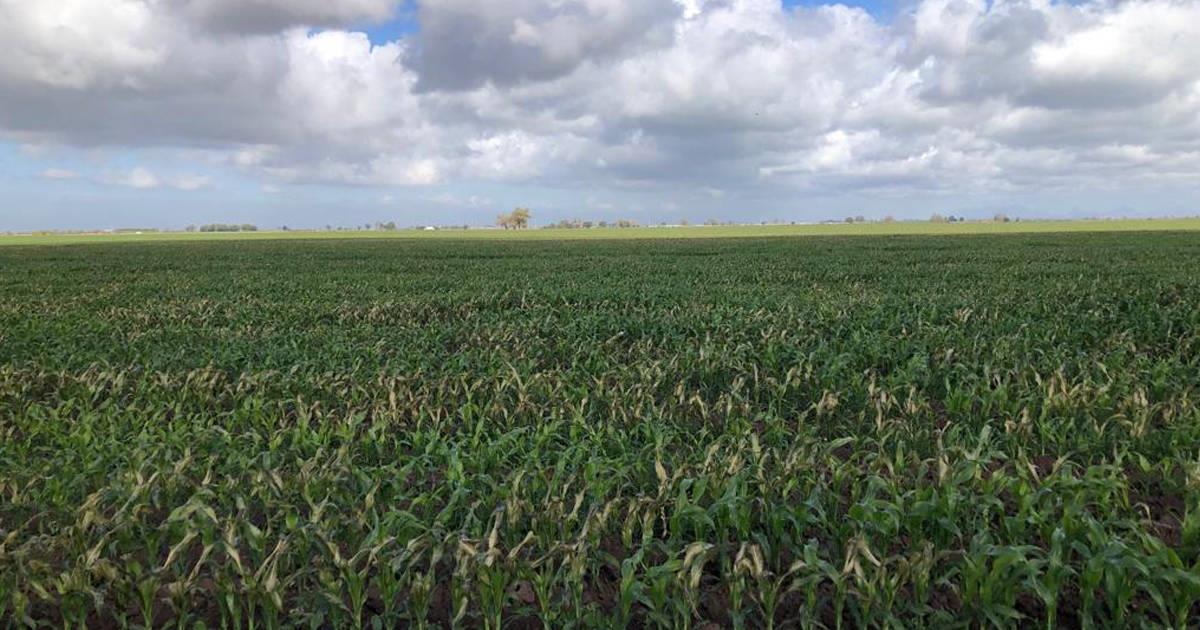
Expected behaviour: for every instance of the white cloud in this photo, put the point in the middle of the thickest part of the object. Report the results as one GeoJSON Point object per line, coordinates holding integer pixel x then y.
{"type": "Point", "coordinates": [138, 178]}
{"type": "Point", "coordinates": [450, 199]}
{"type": "Point", "coordinates": [78, 44]}
{"type": "Point", "coordinates": [141, 178]}
{"type": "Point", "coordinates": [59, 173]}
{"type": "Point", "coordinates": [1135, 54]}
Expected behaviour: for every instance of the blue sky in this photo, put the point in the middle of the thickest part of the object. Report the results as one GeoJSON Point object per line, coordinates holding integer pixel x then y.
{"type": "Point", "coordinates": [403, 24]}
{"type": "Point", "coordinates": [876, 7]}
{"type": "Point", "coordinates": [157, 116]}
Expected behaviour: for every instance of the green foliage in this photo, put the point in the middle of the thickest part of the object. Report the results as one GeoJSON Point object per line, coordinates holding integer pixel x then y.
{"type": "Point", "coordinates": [758, 433]}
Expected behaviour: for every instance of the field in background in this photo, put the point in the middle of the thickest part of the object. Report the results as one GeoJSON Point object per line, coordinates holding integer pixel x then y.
{"type": "Point", "coordinates": [909, 431]}
{"type": "Point", "coordinates": [674, 232]}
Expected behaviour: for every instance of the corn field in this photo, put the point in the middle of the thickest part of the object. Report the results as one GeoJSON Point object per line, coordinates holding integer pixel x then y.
{"type": "Point", "coordinates": [755, 433]}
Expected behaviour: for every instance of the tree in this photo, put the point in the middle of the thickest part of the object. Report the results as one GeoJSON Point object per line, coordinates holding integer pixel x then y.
{"type": "Point", "coordinates": [1001, 218]}
{"type": "Point", "coordinates": [936, 218]}
{"type": "Point", "coordinates": [518, 219]}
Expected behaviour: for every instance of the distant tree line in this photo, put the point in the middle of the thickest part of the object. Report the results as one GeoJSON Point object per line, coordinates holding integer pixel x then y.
{"type": "Point", "coordinates": [519, 219]}
{"type": "Point", "coordinates": [936, 217]}
{"type": "Point", "coordinates": [223, 227]}
{"type": "Point", "coordinates": [572, 224]}
{"type": "Point", "coordinates": [999, 217]}
{"type": "Point", "coordinates": [578, 224]}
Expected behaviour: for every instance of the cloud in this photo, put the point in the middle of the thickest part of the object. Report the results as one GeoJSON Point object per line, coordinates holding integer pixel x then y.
{"type": "Point", "coordinates": [141, 178]}
{"type": "Point", "coordinates": [743, 96]}
{"type": "Point", "coordinates": [1054, 55]}
{"type": "Point", "coordinates": [450, 199]}
{"type": "Point", "coordinates": [138, 178]}
{"type": "Point", "coordinates": [270, 16]}
{"type": "Point", "coordinates": [77, 44]}
{"type": "Point", "coordinates": [464, 44]}
{"type": "Point", "coordinates": [59, 173]}
{"type": "Point", "coordinates": [1135, 55]}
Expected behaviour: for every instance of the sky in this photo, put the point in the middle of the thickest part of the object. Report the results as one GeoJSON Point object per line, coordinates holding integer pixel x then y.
{"type": "Point", "coordinates": [313, 113]}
